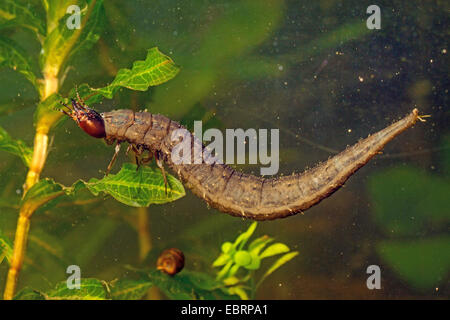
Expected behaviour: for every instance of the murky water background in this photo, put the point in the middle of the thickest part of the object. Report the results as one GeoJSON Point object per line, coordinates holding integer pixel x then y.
{"type": "Point", "coordinates": [311, 69]}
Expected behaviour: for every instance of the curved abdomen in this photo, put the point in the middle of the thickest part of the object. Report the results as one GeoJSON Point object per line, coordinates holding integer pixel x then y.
{"type": "Point", "coordinates": [242, 194]}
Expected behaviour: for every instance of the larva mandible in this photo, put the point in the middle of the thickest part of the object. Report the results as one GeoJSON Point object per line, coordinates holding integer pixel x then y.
{"type": "Point", "coordinates": [221, 186]}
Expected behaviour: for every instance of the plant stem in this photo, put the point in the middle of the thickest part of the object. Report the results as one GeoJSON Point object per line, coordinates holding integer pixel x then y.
{"type": "Point", "coordinates": [38, 161]}
{"type": "Point", "coordinates": [51, 86]}
{"type": "Point", "coordinates": [252, 286]}
{"type": "Point", "coordinates": [143, 230]}
{"type": "Point", "coordinates": [23, 223]}
{"type": "Point", "coordinates": [145, 245]}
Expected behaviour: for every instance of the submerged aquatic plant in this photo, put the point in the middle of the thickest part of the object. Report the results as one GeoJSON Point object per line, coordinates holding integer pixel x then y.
{"type": "Point", "coordinates": [59, 236]}
{"type": "Point", "coordinates": [187, 284]}
{"type": "Point", "coordinates": [236, 257]}
{"type": "Point", "coordinates": [59, 44]}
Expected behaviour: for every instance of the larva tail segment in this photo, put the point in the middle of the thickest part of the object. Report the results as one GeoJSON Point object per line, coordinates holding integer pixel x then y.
{"type": "Point", "coordinates": [422, 117]}
{"type": "Point", "coordinates": [287, 195]}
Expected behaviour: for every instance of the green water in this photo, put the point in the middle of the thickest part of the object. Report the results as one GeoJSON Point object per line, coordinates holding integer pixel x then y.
{"type": "Point", "coordinates": [311, 69]}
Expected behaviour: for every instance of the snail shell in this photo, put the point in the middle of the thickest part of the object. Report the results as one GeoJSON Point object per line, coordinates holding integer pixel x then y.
{"type": "Point", "coordinates": [170, 261]}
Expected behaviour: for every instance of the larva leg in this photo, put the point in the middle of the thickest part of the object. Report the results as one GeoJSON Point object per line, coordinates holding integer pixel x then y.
{"type": "Point", "coordinates": [147, 159]}
{"type": "Point", "coordinates": [80, 100]}
{"type": "Point", "coordinates": [128, 149]}
{"type": "Point", "coordinates": [159, 163]}
{"type": "Point", "coordinates": [137, 154]}
{"type": "Point", "coordinates": [116, 152]}
{"type": "Point", "coordinates": [64, 111]}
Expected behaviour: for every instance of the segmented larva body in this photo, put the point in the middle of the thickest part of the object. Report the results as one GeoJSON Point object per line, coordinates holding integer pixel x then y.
{"type": "Point", "coordinates": [241, 194]}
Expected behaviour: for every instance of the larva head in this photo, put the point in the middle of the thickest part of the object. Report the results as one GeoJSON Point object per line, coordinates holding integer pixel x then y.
{"type": "Point", "coordinates": [87, 119]}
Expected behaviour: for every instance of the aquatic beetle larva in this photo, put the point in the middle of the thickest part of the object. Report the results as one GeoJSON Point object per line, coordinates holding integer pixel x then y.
{"type": "Point", "coordinates": [221, 186]}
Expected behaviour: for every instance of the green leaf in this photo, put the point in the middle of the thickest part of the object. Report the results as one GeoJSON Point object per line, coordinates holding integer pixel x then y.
{"type": "Point", "coordinates": [255, 262]}
{"type": "Point", "coordinates": [231, 281]}
{"type": "Point", "coordinates": [221, 260]}
{"type": "Point", "coordinates": [243, 237]}
{"type": "Point", "coordinates": [223, 273]}
{"type": "Point", "coordinates": [137, 188]}
{"type": "Point", "coordinates": [16, 13]}
{"type": "Point", "coordinates": [90, 289]}
{"type": "Point", "coordinates": [14, 57]}
{"type": "Point", "coordinates": [128, 289]}
{"type": "Point", "coordinates": [6, 248]}
{"type": "Point", "coordinates": [62, 42]}
{"type": "Point", "coordinates": [16, 147]}
{"type": "Point", "coordinates": [41, 193]}
{"type": "Point", "coordinates": [281, 261]}
{"type": "Point", "coordinates": [259, 243]}
{"type": "Point", "coordinates": [242, 258]}
{"type": "Point", "coordinates": [29, 294]}
{"type": "Point", "coordinates": [199, 280]}
{"type": "Point", "coordinates": [187, 285]}
{"type": "Point", "coordinates": [157, 68]}
{"type": "Point", "coordinates": [233, 270]}
{"type": "Point", "coordinates": [226, 247]}
{"type": "Point", "coordinates": [274, 249]}
{"type": "Point", "coordinates": [424, 264]}
{"type": "Point", "coordinates": [240, 291]}
{"type": "Point", "coordinates": [172, 287]}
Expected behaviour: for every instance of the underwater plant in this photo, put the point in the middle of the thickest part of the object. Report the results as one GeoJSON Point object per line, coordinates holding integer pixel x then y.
{"type": "Point", "coordinates": [61, 39]}
{"type": "Point", "coordinates": [74, 221]}
{"type": "Point", "coordinates": [235, 257]}
{"type": "Point", "coordinates": [59, 44]}
{"type": "Point", "coordinates": [183, 284]}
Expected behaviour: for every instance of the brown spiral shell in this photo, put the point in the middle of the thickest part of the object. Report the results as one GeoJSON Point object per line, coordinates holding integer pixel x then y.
{"type": "Point", "coordinates": [170, 261]}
